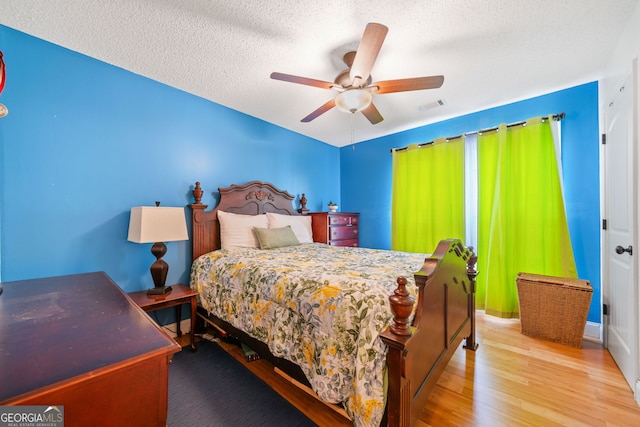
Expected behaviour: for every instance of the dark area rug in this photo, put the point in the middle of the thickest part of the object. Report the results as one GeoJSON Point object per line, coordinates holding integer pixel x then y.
{"type": "Point", "coordinates": [211, 388]}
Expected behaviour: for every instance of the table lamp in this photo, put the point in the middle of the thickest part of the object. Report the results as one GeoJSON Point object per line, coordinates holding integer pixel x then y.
{"type": "Point", "coordinates": [157, 224]}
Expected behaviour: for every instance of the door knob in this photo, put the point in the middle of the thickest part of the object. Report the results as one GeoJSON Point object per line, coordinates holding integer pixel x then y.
{"type": "Point", "coordinates": [620, 250]}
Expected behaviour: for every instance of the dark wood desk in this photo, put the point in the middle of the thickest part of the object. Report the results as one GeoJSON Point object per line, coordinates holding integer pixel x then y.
{"type": "Point", "coordinates": [180, 294]}
{"type": "Point", "coordinates": [78, 341]}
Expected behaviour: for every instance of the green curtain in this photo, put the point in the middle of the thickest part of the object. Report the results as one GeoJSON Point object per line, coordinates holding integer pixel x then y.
{"type": "Point", "coordinates": [522, 224]}
{"type": "Point", "coordinates": [427, 195]}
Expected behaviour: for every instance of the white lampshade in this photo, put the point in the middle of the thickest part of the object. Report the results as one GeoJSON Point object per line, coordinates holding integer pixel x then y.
{"type": "Point", "coordinates": [353, 100]}
{"type": "Point", "coordinates": [150, 224]}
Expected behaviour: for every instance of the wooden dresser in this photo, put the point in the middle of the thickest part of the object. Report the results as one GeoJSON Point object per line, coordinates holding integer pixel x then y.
{"type": "Point", "coordinates": [79, 342]}
{"type": "Point", "coordinates": [335, 228]}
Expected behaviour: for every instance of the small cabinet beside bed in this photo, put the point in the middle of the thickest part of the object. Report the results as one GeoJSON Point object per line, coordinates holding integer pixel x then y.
{"type": "Point", "coordinates": [335, 228]}
{"type": "Point", "coordinates": [341, 318]}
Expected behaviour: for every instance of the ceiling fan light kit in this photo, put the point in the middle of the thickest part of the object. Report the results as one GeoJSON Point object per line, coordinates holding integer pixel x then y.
{"type": "Point", "coordinates": [354, 84]}
{"type": "Point", "coordinates": [353, 100]}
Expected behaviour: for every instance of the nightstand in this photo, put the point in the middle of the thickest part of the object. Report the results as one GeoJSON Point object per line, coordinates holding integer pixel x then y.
{"type": "Point", "coordinates": [180, 294]}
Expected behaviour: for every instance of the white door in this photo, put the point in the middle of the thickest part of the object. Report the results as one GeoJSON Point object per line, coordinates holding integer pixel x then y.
{"type": "Point", "coordinates": [620, 253]}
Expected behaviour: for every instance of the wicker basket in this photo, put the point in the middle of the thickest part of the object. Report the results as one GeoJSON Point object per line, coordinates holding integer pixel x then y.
{"type": "Point", "coordinates": [554, 308]}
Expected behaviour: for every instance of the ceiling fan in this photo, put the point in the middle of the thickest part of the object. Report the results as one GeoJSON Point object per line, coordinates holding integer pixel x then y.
{"type": "Point", "coordinates": [354, 84]}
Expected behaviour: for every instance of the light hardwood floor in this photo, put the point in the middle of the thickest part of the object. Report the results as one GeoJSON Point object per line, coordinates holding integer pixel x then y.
{"type": "Point", "coordinates": [511, 380]}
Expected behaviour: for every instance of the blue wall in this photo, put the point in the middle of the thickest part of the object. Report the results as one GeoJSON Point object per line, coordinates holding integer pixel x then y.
{"type": "Point", "coordinates": [85, 141]}
{"type": "Point", "coordinates": [366, 171]}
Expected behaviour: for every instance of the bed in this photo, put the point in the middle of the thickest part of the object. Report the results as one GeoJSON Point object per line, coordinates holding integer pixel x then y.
{"type": "Point", "coordinates": [370, 330]}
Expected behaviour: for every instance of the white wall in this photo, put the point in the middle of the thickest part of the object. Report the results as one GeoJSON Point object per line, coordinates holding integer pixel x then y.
{"type": "Point", "coordinates": [619, 64]}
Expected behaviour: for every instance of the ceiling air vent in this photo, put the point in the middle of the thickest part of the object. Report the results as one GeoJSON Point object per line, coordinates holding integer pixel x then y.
{"type": "Point", "coordinates": [430, 105]}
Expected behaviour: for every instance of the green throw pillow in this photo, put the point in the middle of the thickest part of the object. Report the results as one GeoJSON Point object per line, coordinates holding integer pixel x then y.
{"type": "Point", "coordinates": [270, 238]}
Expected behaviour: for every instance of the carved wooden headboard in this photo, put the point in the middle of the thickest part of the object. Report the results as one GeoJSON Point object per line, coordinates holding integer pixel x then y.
{"type": "Point", "coordinates": [252, 198]}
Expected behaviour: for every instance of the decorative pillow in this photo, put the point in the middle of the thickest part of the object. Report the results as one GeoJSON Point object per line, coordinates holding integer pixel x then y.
{"type": "Point", "coordinates": [300, 224]}
{"type": "Point", "coordinates": [236, 231]}
{"type": "Point", "coordinates": [270, 238]}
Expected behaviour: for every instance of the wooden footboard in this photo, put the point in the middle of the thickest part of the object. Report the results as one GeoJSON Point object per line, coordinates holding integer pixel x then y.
{"type": "Point", "coordinates": [445, 316]}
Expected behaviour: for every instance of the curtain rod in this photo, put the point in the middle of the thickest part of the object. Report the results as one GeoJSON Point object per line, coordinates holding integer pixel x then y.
{"type": "Point", "coordinates": [559, 116]}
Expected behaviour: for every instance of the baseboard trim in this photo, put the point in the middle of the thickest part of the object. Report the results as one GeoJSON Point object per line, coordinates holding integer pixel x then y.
{"type": "Point", "coordinates": [593, 330]}
{"type": "Point", "coordinates": [171, 328]}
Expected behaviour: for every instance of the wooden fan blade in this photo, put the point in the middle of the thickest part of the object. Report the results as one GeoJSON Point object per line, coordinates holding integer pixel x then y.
{"type": "Point", "coordinates": [323, 109]}
{"type": "Point", "coordinates": [367, 52]}
{"type": "Point", "coordinates": [404, 85]}
{"type": "Point", "coordinates": [372, 114]}
{"type": "Point", "coordinates": [302, 80]}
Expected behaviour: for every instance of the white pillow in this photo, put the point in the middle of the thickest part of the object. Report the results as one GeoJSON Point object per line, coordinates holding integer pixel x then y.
{"type": "Point", "coordinates": [300, 224]}
{"type": "Point", "coordinates": [236, 231]}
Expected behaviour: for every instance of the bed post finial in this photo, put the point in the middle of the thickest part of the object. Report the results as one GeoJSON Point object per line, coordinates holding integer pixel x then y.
{"type": "Point", "coordinates": [402, 306]}
{"type": "Point", "coordinates": [303, 205]}
{"type": "Point", "coordinates": [197, 193]}
{"type": "Point", "coordinates": [471, 265]}
{"type": "Point", "coordinates": [472, 273]}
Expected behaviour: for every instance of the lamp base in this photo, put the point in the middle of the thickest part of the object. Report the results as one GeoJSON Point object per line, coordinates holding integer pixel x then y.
{"type": "Point", "coordinates": [160, 290]}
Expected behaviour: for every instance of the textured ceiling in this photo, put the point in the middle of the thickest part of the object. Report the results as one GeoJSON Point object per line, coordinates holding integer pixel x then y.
{"type": "Point", "coordinates": [491, 52]}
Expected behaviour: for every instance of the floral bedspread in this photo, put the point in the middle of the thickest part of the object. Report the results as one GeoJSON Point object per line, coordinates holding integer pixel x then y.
{"type": "Point", "coordinates": [319, 306]}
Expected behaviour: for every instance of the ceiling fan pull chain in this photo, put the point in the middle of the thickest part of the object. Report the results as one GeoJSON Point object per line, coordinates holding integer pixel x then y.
{"type": "Point", "coordinates": [353, 130]}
